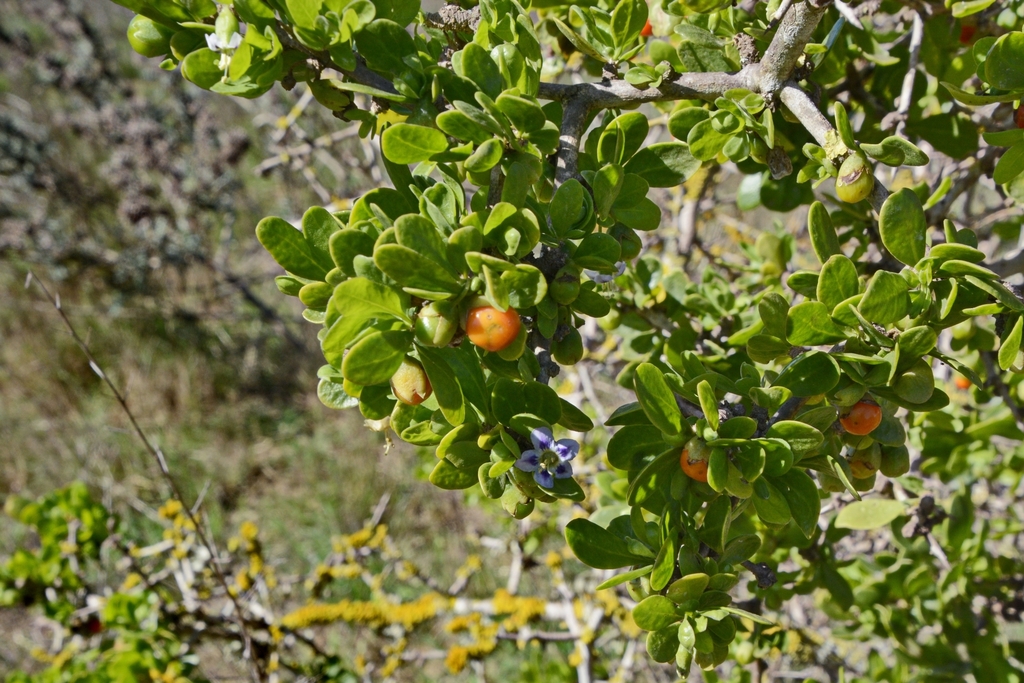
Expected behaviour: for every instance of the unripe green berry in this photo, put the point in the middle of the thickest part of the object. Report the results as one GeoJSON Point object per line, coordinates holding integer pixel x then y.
{"type": "Point", "coordinates": [855, 180]}
{"type": "Point", "coordinates": [569, 350]}
{"type": "Point", "coordinates": [865, 462]}
{"type": "Point", "coordinates": [149, 38]}
{"type": "Point", "coordinates": [436, 324]}
{"type": "Point", "coordinates": [566, 286]}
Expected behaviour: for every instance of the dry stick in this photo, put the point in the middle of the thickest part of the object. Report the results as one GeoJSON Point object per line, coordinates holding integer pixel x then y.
{"type": "Point", "coordinates": [256, 671]}
{"type": "Point", "coordinates": [906, 94]}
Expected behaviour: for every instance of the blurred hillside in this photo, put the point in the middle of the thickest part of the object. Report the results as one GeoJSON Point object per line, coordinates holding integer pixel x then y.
{"type": "Point", "coordinates": [133, 194]}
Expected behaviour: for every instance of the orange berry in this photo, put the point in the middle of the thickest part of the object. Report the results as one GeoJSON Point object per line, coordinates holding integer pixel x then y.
{"type": "Point", "coordinates": [862, 419]}
{"type": "Point", "coordinates": [491, 329]}
{"type": "Point", "coordinates": [410, 384]}
{"type": "Point", "coordinates": [962, 382]}
{"type": "Point", "coordinates": [694, 469]}
{"type": "Point", "coordinates": [647, 30]}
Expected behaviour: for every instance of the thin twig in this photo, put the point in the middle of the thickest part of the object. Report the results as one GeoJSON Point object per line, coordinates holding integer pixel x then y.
{"type": "Point", "coordinates": [906, 94]}
{"type": "Point", "coordinates": [256, 670]}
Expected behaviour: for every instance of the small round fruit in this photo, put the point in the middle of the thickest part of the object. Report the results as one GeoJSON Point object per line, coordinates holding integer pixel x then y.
{"type": "Point", "coordinates": [962, 382]}
{"type": "Point", "coordinates": [1019, 116]}
{"type": "Point", "coordinates": [855, 180]}
{"type": "Point", "coordinates": [895, 461]}
{"type": "Point", "coordinates": [863, 485]}
{"type": "Point", "coordinates": [862, 419]}
{"type": "Point", "coordinates": [865, 462]}
{"type": "Point", "coordinates": [491, 329]}
{"type": "Point", "coordinates": [694, 460]}
{"type": "Point", "coordinates": [967, 33]}
{"type": "Point", "coordinates": [410, 384]}
{"type": "Point", "coordinates": [149, 38]}
{"type": "Point", "coordinates": [648, 30]}
{"type": "Point", "coordinates": [610, 321]}
{"type": "Point", "coordinates": [566, 286]}
{"type": "Point", "coordinates": [568, 350]}
{"type": "Point", "coordinates": [435, 325]}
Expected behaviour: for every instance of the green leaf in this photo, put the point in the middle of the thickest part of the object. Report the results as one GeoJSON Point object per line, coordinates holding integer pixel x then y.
{"type": "Point", "coordinates": [599, 548]}
{"type": "Point", "coordinates": [477, 66]}
{"type": "Point", "coordinates": [526, 115]}
{"type": "Point", "coordinates": [628, 19]}
{"type": "Point", "coordinates": [657, 399]}
{"type": "Point", "coordinates": [411, 269]}
{"type": "Point", "coordinates": [447, 476]}
{"type": "Point", "coordinates": [628, 445]}
{"type": "Point", "coordinates": [418, 234]}
{"type": "Point", "coordinates": [567, 207]}
{"type": "Point", "coordinates": [1010, 165]}
{"type": "Point", "coordinates": [740, 549]}
{"type": "Point", "coordinates": [774, 310]}
{"type": "Point", "coordinates": [406, 143]}
{"type": "Point", "coordinates": [633, 128]}
{"type": "Point", "coordinates": [916, 341]}
{"type": "Point", "coordinates": [664, 164]}
{"type": "Point", "coordinates": [477, 130]}
{"type": "Point", "coordinates": [869, 514]}
{"type": "Point", "coordinates": [687, 588]}
{"type": "Point", "coordinates": [801, 437]}
{"type": "Point", "coordinates": [486, 156]}
{"type": "Point", "coordinates": [201, 68]}
{"type": "Point", "coordinates": [624, 577]}
{"type": "Point", "coordinates": [1010, 347]}
{"type": "Point", "coordinates": [887, 299]}
{"type": "Point", "coordinates": [663, 644]}
{"type": "Point", "coordinates": [837, 282]}
{"type": "Point", "coordinates": [902, 225]}
{"type": "Point", "coordinates": [526, 286]}
{"type": "Point", "coordinates": [1002, 64]}
{"type": "Point", "coordinates": [811, 373]}
{"type": "Point", "coordinates": [664, 564]}
{"type": "Point", "coordinates": [802, 496]}
{"type": "Point", "coordinates": [823, 233]}
{"type": "Point", "coordinates": [809, 324]}
{"type": "Point", "coordinates": [705, 141]}
{"type": "Point", "coordinates": [917, 384]}
{"type": "Point", "coordinates": [376, 357]}
{"type": "Point", "coordinates": [446, 386]}
{"type": "Point", "coordinates": [384, 44]}
{"type": "Point", "coordinates": [292, 250]}
{"type": "Point", "coordinates": [978, 99]}
{"type": "Point", "coordinates": [772, 509]}
{"type": "Point", "coordinates": [708, 403]}
{"type": "Point", "coordinates": [598, 251]}
{"type": "Point", "coordinates": [606, 183]}
{"type": "Point", "coordinates": [655, 612]}
{"type": "Point", "coordinates": [895, 151]}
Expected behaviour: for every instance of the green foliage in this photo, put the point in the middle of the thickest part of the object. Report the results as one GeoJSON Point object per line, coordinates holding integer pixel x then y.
{"type": "Point", "coordinates": [758, 365]}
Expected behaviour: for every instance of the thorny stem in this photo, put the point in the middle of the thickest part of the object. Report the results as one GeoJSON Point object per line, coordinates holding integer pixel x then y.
{"type": "Point", "coordinates": [256, 670]}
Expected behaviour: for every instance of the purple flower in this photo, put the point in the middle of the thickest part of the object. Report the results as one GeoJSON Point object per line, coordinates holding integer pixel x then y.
{"type": "Point", "coordinates": [601, 278]}
{"type": "Point", "coordinates": [548, 459]}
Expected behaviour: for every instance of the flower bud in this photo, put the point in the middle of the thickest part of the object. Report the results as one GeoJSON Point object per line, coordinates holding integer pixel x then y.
{"type": "Point", "coordinates": [226, 25]}
{"type": "Point", "coordinates": [149, 38]}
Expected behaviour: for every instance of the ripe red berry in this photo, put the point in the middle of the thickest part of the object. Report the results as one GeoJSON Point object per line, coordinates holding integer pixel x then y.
{"type": "Point", "coordinates": [862, 419]}
{"type": "Point", "coordinates": [967, 33]}
{"type": "Point", "coordinates": [1019, 116]}
{"type": "Point", "coordinates": [491, 329]}
{"type": "Point", "coordinates": [648, 30]}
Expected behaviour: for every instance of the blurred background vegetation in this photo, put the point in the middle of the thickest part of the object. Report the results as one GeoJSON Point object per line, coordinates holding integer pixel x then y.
{"type": "Point", "coordinates": [134, 195]}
